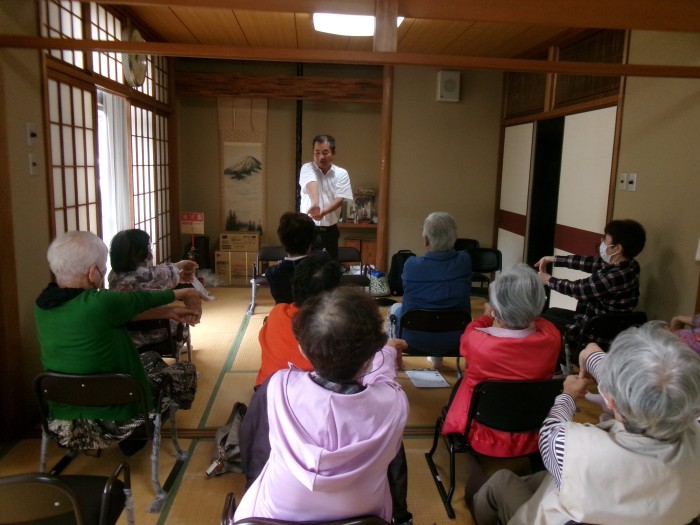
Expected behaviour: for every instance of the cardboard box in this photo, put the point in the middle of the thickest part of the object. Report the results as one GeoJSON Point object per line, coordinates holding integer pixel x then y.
{"type": "Point", "coordinates": [235, 268]}
{"type": "Point", "coordinates": [222, 266]}
{"type": "Point", "coordinates": [239, 241]}
{"type": "Point", "coordinates": [242, 267]}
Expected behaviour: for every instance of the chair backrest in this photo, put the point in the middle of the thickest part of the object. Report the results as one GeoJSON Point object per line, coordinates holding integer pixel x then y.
{"type": "Point", "coordinates": [463, 244]}
{"type": "Point", "coordinates": [605, 327]}
{"type": "Point", "coordinates": [434, 321]}
{"type": "Point", "coordinates": [512, 406]}
{"type": "Point", "coordinates": [92, 390]}
{"type": "Point", "coordinates": [38, 497]}
{"type": "Point", "coordinates": [485, 260]}
{"type": "Point", "coordinates": [271, 254]}
{"type": "Point", "coordinates": [267, 255]}
{"type": "Point", "coordinates": [349, 254]}
{"type": "Point", "coordinates": [230, 509]}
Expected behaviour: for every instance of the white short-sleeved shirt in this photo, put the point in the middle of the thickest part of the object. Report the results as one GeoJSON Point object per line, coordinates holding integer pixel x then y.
{"type": "Point", "coordinates": [334, 184]}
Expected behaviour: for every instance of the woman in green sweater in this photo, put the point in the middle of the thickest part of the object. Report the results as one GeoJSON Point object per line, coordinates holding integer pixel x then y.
{"type": "Point", "coordinates": [81, 331]}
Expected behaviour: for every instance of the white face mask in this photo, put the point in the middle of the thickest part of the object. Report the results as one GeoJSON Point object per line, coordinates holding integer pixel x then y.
{"type": "Point", "coordinates": [603, 252]}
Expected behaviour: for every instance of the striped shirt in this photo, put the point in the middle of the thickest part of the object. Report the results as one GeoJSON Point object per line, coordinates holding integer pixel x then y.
{"type": "Point", "coordinates": [553, 432]}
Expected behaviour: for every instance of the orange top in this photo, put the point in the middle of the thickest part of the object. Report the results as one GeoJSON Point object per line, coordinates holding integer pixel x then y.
{"type": "Point", "coordinates": [278, 344]}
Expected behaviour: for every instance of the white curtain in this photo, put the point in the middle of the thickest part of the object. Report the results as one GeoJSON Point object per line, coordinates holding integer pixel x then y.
{"type": "Point", "coordinates": [113, 162]}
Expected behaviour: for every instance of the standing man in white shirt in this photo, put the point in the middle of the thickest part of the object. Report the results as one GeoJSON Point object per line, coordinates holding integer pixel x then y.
{"type": "Point", "coordinates": [324, 187]}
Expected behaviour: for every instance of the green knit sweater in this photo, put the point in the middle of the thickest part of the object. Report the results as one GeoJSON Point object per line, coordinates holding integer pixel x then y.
{"type": "Point", "coordinates": [85, 335]}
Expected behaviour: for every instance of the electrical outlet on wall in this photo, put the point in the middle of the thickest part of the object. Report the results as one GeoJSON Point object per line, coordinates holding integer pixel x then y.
{"type": "Point", "coordinates": [631, 182]}
{"type": "Point", "coordinates": [622, 182]}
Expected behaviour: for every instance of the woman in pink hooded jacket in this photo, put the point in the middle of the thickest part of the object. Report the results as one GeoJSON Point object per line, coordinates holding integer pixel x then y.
{"type": "Point", "coordinates": [333, 432]}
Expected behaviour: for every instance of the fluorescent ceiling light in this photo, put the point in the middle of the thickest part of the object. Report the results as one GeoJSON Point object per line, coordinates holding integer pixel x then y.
{"type": "Point", "coordinates": [347, 25]}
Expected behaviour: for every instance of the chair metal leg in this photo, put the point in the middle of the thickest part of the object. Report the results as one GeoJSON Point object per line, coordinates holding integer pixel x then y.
{"type": "Point", "coordinates": [157, 504]}
{"type": "Point", "coordinates": [444, 496]}
{"type": "Point", "coordinates": [181, 454]}
{"type": "Point", "coordinates": [460, 374]}
{"type": "Point", "coordinates": [253, 291]}
{"type": "Point", "coordinates": [44, 451]}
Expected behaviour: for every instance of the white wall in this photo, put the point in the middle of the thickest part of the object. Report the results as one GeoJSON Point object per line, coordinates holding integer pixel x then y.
{"type": "Point", "coordinates": [660, 142]}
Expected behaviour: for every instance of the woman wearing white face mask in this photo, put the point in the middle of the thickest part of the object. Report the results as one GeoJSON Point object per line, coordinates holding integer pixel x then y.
{"type": "Point", "coordinates": [613, 285]}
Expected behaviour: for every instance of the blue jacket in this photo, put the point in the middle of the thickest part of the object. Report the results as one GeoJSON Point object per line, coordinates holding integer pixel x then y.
{"type": "Point", "coordinates": [437, 280]}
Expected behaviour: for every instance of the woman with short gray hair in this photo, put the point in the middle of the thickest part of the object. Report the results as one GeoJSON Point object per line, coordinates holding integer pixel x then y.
{"type": "Point", "coordinates": [642, 467]}
{"type": "Point", "coordinates": [438, 280]}
{"type": "Point", "coordinates": [512, 342]}
{"type": "Point", "coordinates": [654, 382]}
{"type": "Point", "coordinates": [440, 229]}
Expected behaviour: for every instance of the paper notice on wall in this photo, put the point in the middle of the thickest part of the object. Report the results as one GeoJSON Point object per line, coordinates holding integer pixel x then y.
{"type": "Point", "coordinates": [191, 223]}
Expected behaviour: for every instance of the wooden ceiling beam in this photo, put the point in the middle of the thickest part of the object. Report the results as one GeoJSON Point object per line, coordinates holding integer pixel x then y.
{"type": "Point", "coordinates": [669, 15]}
{"type": "Point", "coordinates": [352, 57]}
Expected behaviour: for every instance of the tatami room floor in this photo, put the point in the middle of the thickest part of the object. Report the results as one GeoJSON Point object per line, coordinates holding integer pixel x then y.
{"type": "Point", "coordinates": [227, 355]}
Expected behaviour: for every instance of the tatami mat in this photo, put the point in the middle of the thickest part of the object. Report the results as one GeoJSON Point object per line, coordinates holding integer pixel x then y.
{"type": "Point", "coordinates": [248, 354]}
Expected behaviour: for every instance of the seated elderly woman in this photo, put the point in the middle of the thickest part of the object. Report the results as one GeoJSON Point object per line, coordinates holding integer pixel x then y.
{"type": "Point", "coordinates": [316, 273]}
{"type": "Point", "coordinates": [642, 467]}
{"type": "Point", "coordinates": [81, 331]}
{"type": "Point", "coordinates": [296, 232]}
{"type": "Point", "coordinates": [440, 279]}
{"type": "Point", "coordinates": [510, 341]}
{"type": "Point", "coordinates": [333, 432]}
{"type": "Point", "coordinates": [132, 269]}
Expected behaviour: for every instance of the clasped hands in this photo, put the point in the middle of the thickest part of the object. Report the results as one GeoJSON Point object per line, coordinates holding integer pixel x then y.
{"type": "Point", "coordinates": [577, 385]}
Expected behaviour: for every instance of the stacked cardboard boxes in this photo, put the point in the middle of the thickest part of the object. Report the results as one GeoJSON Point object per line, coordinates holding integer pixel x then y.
{"type": "Point", "coordinates": [237, 253]}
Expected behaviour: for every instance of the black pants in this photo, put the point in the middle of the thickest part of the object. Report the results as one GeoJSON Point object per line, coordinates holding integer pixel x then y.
{"type": "Point", "coordinates": [327, 237]}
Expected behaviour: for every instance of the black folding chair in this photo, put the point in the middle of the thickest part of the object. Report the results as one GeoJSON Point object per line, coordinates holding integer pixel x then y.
{"type": "Point", "coordinates": [101, 390]}
{"type": "Point", "coordinates": [601, 329]}
{"type": "Point", "coordinates": [347, 255]}
{"type": "Point", "coordinates": [39, 498]}
{"type": "Point", "coordinates": [266, 256]}
{"type": "Point", "coordinates": [432, 321]}
{"type": "Point", "coordinates": [509, 406]}
{"type": "Point", "coordinates": [463, 244]}
{"type": "Point", "coordinates": [485, 262]}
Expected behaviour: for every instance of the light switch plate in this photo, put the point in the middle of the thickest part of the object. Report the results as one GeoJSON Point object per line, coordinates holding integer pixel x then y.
{"type": "Point", "coordinates": [622, 182]}
{"type": "Point", "coordinates": [631, 182]}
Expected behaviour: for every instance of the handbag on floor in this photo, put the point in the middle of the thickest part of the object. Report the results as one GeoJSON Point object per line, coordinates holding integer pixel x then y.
{"type": "Point", "coordinates": [378, 283]}
{"type": "Point", "coordinates": [226, 454]}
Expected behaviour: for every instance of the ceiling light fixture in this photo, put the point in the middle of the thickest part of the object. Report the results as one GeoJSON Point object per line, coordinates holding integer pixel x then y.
{"type": "Point", "coordinates": [346, 25]}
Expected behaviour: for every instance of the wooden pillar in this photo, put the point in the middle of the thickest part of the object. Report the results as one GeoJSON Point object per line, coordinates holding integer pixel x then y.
{"type": "Point", "coordinates": [385, 168]}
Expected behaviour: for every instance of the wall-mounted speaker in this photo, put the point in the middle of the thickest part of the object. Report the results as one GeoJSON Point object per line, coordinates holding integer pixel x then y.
{"type": "Point", "coordinates": [448, 86]}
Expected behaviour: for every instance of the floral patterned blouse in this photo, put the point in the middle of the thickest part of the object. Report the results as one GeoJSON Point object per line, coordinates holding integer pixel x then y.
{"type": "Point", "coordinates": [164, 276]}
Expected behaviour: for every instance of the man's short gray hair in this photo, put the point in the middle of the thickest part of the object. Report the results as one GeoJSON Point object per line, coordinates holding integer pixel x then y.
{"type": "Point", "coordinates": [517, 296]}
{"type": "Point", "coordinates": [71, 254]}
{"type": "Point", "coordinates": [654, 379]}
{"type": "Point", "coordinates": [440, 229]}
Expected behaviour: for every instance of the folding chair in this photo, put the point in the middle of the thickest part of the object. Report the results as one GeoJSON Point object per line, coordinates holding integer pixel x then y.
{"type": "Point", "coordinates": [602, 329]}
{"type": "Point", "coordinates": [266, 255]}
{"type": "Point", "coordinates": [349, 255]}
{"type": "Point", "coordinates": [485, 261]}
{"type": "Point", "coordinates": [39, 498]}
{"type": "Point", "coordinates": [169, 347]}
{"type": "Point", "coordinates": [463, 244]}
{"type": "Point", "coordinates": [432, 321]}
{"type": "Point", "coordinates": [102, 390]}
{"type": "Point", "coordinates": [509, 406]}
{"type": "Point", "coordinates": [230, 509]}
